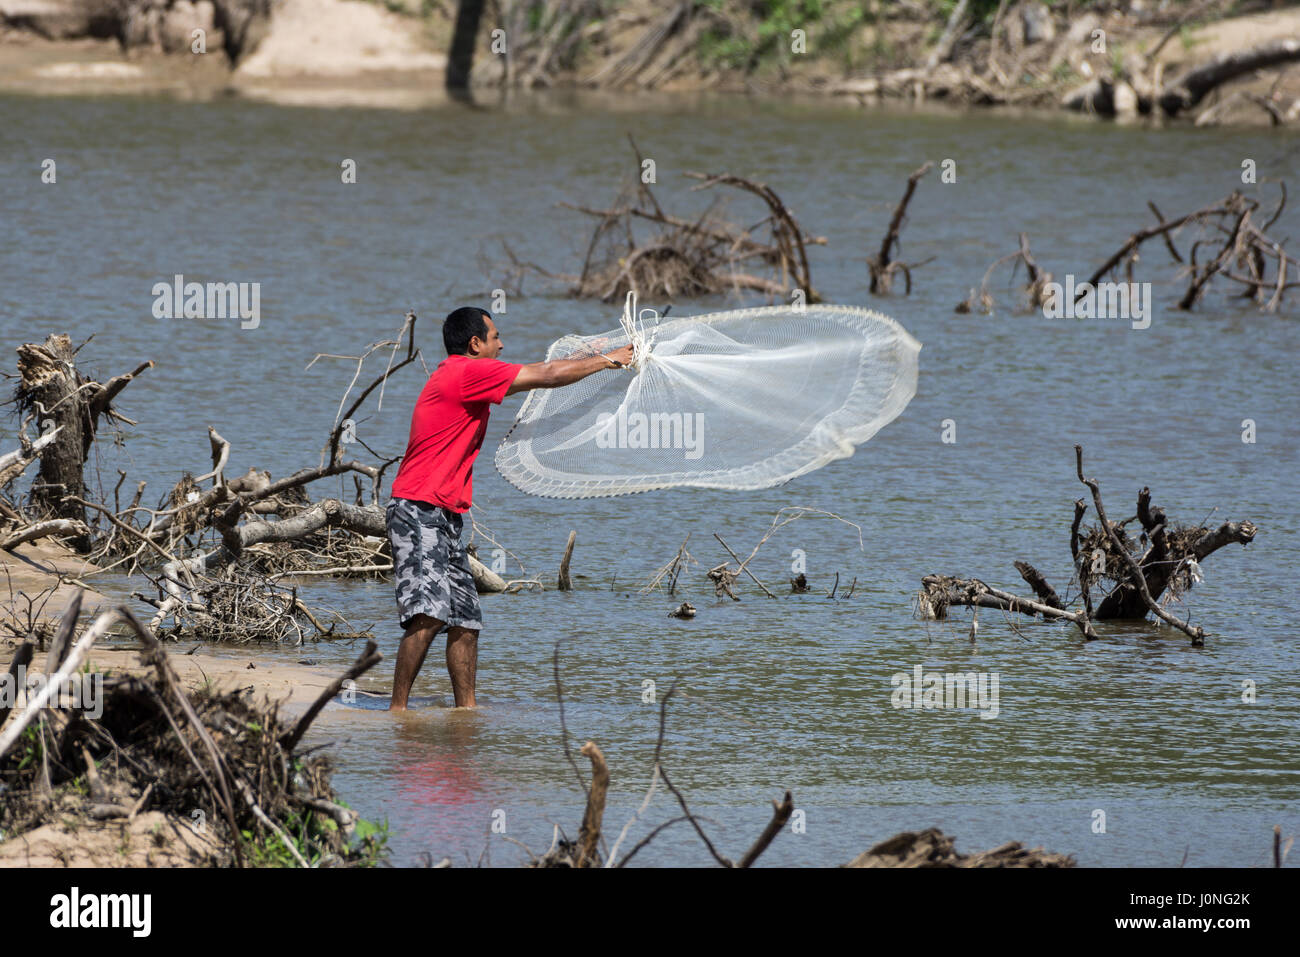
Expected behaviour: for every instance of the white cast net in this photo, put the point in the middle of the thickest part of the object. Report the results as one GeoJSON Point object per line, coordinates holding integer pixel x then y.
{"type": "Point", "coordinates": [744, 399]}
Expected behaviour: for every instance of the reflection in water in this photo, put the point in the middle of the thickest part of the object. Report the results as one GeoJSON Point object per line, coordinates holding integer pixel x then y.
{"type": "Point", "coordinates": [436, 759]}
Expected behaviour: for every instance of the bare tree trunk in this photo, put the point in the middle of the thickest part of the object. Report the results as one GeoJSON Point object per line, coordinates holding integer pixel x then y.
{"type": "Point", "coordinates": [465, 34]}
{"type": "Point", "coordinates": [60, 397]}
{"type": "Point", "coordinates": [50, 384]}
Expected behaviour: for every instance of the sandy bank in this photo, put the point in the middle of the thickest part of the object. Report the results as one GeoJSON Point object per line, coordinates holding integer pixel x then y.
{"type": "Point", "coordinates": [274, 674]}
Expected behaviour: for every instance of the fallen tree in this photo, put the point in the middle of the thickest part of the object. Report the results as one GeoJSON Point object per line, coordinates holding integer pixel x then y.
{"type": "Point", "coordinates": [1162, 561]}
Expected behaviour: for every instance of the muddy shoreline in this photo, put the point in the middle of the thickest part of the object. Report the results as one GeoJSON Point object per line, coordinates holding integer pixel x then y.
{"type": "Point", "coordinates": [347, 53]}
{"type": "Point", "coordinates": [35, 568]}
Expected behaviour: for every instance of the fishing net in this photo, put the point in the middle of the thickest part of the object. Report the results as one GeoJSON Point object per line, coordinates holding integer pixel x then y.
{"type": "Point", "coordinates": [745, 399]}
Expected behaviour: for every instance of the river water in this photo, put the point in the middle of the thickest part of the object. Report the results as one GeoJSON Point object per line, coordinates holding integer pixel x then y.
{"type": "Point", "coordinates": [1132, 750]}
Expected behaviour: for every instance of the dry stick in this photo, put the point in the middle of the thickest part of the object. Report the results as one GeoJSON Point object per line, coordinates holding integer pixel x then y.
{"type": "Point", "coordinates": [261, 815]}
{"type": "Point", "coordinates": [881, 262]}
{"type": "Point", "coordinates": [565, 583]}
{"type": "Point", "coordinates": [1196, 633]}
{"type": "Point", "coordinates": [978, 594]}
{"type": "Point", "coordinates": [589, 834]}
{"type": "Point", "coordinates": [157, 655]}
{"type": "Point", "coordinates": [742, 566]}
{"type": "Point", "coordinates": [54, 683]}
{"type": "Point", "coordinates": [642, 188]}
{"type": "Point", "coordinates": [789, 236]}
{"type": "Point", "coordinates": [1281, 205]}
{"type": "Point", "coordinates": [649, 795]}
{"type": "Point", "coordinates": [1230, 248]}
{"type": "Point", "coordinates": [346, 570]}
{"type": "Point", "coordinates": [336, 433]}
{"type": "Point", "coordinates": [22, 658]}
{"type": "Point", "coordinates": [1276, 299]}
{"type": "Point", "coordinates": [63, 637]}
{"type": "Point", "coordinates": [1169, 242]}
{"type": "Point", "coordinates": [954, 28]}
{"type": "Point", "coordinates": [26, 456]}
{"type": "Point", "coordinates": [659, 744]}
{"type": "Point", "coordinates": [139, 805]}
{"type": "Point", "coordinates": [367, 660]}
{"type": "Point", "coordinates": [1080, 507]}
{"type": "Point", "coordinates": [650, 837]}
{"type": "Point", "coordinates": [54, 526]}
{"type": "Point", "coordinates": [220, 456]}
{"type": "Point", "coordinates": [781, 814]}
{"type": "Point", "coordinates": [1142, 236]}
{"type": "Point", "coordinates": [986, 298]}
{"type": "Point", "coordinates": [677, 564]}
{"type": "Point", "coordinates": [835, 587]}
{"type": "Point", "coordinates": [1034, 578]}
{"type": "Point", "coordinates": [109, 390]}
{"type": "Point", "coordinates": [1188, 89]}
{"type": "Point", "coordinates": [108, 514]}
{"type": "Point", "coordinates": [564, 728]}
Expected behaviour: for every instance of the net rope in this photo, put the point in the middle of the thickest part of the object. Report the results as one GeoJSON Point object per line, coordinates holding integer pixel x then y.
{"type": "Point", "coordinates": [744, 399]}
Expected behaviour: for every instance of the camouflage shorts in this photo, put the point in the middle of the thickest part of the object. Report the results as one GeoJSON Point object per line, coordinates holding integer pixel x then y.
{"type": "Point", "coordinates": [430, 565]}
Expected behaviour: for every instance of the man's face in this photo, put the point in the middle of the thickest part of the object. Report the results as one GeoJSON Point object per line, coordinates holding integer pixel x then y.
{"type": "Point", "coordinates": [492, 347]}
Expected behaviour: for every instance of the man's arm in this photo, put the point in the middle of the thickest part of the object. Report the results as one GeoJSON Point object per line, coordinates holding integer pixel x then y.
{"type": "Point", "coordinates": [560, 372]}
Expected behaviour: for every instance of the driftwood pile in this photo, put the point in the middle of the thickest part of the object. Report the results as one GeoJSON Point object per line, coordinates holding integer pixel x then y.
{"type": "Point", "coordinates": [1134, 569]}
{"type": "Point", "coordinates": [638, 246]}
{"type": "Point", "coordinates": [212, 761]}
{"type": "Point", "coordinates": [1229, 239]}
{"type": "Point", "coordinates": [1084, 60]}
{"type": "Point", "coordinates": [933, 848]}
{"type": "Point", "coordinates": [216, 547]}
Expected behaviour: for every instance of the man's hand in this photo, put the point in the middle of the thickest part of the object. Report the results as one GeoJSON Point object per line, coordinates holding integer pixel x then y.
{"type": "Point", "coordinates": [622, 356]}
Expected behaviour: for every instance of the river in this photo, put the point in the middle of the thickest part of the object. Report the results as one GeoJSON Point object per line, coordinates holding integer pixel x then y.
{"type": "Point", "coordinates": [793, 693]}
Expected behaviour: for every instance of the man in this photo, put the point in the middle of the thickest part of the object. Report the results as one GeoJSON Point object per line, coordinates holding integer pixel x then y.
{"type": "Point", "coordinates": [434, 488]}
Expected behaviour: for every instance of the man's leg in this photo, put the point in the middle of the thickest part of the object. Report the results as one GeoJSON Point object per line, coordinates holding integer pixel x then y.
{"type": "Point", "coordinates": [410, 657]}
{"type": "Point", "coordinates": [462, 664]}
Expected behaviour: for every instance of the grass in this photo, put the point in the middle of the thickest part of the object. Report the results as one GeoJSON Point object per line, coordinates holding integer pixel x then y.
{"type": "Point", "coordinates": [368, 847]}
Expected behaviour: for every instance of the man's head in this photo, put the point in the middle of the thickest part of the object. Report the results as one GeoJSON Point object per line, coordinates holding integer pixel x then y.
{"type": "Point", "coordinates": [470, 331]}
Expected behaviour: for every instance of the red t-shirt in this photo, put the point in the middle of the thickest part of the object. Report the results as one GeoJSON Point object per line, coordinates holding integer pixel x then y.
{"type": "Point", "coordinates": [447, 429]}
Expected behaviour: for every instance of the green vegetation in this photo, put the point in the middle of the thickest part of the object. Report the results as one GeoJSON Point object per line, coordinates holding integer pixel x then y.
{"type": "Point", "coordinates": [29, 747]}
{"type": "Point", "coordinates": [308, 830]}
{"type": "Point", "coordinates": [828, 28]}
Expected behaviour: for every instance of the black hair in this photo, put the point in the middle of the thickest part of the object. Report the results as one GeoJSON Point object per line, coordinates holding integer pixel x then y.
{"type": "Point", "coordinates": [461, 326]}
